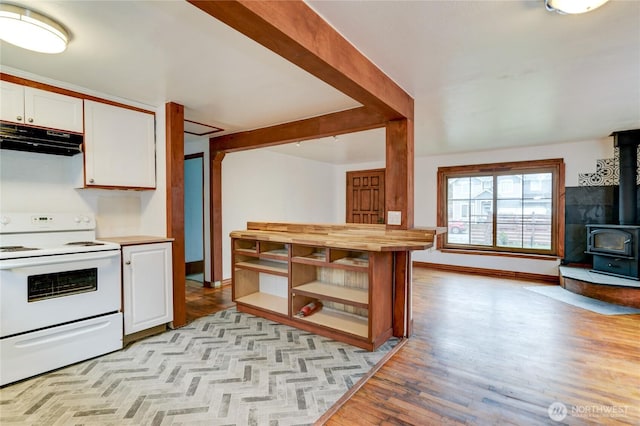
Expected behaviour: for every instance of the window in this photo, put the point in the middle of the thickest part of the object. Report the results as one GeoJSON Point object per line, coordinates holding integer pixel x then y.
{"type": "Point", "coordinates": [504, 207]}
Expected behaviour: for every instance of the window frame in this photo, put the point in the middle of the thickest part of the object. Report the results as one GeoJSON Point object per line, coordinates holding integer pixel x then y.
{"type": "Point", "coordinates": [555, 166]}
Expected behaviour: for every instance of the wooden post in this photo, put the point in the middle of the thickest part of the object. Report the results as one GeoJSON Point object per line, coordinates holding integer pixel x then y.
{"type": "Point", "coordinates": [399, 197]}
{"type": "Point", "coordinates": [215, 198]}
{"type": "Point", "coordinates": [175, 206]}
{"type": "Point", "coordinates": [399, 176]}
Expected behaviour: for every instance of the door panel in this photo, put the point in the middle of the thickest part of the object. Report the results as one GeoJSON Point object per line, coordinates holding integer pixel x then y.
{"type": "Point", "coordinates": [365, 196]}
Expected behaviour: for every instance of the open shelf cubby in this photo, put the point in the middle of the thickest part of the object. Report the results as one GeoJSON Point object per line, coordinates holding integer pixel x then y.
{"type": "Point", "coordinates": [309, 254]}
{"type": "Point", "coordinates": [261, 265]}
{"type": "Point", "coordinates": [249, 247]}
{"type": "Point", "coordinates": [273, 250]}
{"type": "Point", "coordinates": [341, 321]}
{"type": "Point", "coordinates": [266, 301]}
{"type": "Point", "coordinates": [336, 293]}
{"type": "Point", "coordinates": [260, 289]}
{"type": "Point", "coordinates": [349, 258]}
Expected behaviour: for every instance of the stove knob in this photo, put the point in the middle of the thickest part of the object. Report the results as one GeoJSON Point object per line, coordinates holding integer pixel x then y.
{"type": "Point", "coordinates": [86, 219]}
{"type": "Point", "coordinates": [76, 219]}
{"type": "Point", "coordinates": [5, 220]}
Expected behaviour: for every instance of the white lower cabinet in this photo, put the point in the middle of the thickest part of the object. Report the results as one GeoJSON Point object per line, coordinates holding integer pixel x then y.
{"type": "Point", "coordinates": [147, 286]}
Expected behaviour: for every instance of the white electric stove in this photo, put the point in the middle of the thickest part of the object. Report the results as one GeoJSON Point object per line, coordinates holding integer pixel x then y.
{"type": "Point", "coordinates": [60, 293]}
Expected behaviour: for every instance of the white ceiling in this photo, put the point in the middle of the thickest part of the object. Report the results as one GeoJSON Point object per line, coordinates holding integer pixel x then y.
{"type": "Point", "coordinates": [484, 74]}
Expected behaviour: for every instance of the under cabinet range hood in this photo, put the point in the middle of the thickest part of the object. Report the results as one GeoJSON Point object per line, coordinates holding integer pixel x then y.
{"type": "Point", "coordinates": [34, 139]}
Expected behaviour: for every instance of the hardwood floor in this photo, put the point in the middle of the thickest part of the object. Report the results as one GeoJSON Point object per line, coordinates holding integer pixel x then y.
{"type": "Point", "coordinates": [202, 301]}
{"type": "Point", "coordinates": [487, 351]}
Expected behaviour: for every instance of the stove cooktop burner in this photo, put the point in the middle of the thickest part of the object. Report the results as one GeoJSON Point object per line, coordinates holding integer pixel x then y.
{"type": "Point", "coordinates": [85, 243]}
{"type": "Point", "coordinates": [16, 248]}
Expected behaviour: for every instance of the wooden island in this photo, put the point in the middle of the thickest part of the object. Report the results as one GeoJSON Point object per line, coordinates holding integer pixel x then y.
{"type": "Point", "coordinates": [277, 268]}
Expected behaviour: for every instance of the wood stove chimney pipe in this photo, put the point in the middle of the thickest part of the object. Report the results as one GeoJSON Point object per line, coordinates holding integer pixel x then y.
{"type": "Point", "coordinates": [627, 142]}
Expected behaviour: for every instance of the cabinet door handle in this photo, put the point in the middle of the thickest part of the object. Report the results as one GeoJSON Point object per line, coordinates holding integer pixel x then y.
{"type": "Point", "coordinates": [128, 262]}
{"type": "Point", "coordinates": [91, 180]}
{"type": "Point", "coordinates": [19, 118]}
{"type": "Point", "coordinates": [30, 120]}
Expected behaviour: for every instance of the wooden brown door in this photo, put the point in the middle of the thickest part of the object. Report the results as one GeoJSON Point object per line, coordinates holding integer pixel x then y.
{"type": "Point", "coordinates": [365, 196]}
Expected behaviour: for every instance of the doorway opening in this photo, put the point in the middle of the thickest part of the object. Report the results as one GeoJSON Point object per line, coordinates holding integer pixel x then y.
{"type": "Point", "coordinates": [194, 216]}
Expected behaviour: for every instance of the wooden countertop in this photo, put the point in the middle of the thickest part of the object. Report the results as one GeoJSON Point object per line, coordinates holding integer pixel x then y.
{"type": "Point", "coordinates": [344, 236]}
{"type": "Point", "coordinates": [136, 239]}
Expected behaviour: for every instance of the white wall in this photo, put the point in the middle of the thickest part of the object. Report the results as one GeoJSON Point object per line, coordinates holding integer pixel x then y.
{"type": "Point", "coordinates": [194, 147]}
{"type": "Point", "coordinates": [38, 183]}
{"type": "Point", "coordinates": [261, 185]}
{"type": "Point", "coordinates": [44, 183]}
{"type": "Point", "coordinates": [153, 204]}
{"type": "Point", "coordinates": [579, 157]}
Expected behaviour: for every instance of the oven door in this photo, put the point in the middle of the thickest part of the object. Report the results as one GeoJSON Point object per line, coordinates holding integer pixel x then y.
{"type": "Point", "coordinates": [40, 292]}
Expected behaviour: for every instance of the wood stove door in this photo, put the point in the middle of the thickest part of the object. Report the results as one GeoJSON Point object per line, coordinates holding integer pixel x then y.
{"type": "Point", "coordinates": [612, 242]}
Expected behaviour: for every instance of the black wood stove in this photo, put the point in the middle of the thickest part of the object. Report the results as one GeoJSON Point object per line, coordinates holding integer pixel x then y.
{"type": "Point", "coordinates": [616, 248]}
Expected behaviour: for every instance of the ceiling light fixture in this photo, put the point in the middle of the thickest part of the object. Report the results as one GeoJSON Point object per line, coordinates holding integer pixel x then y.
{"type": "Point", "coordinates": [335, 139]}
{"type": "Point", "coordinates": [573, 6]}
{"type": "Point", "coordinates": [31, 30]}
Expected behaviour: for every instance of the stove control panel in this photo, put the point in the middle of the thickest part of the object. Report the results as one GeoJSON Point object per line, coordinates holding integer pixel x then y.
{"type": "Point", "coordinates": [42, 220]}
{"type": "Point", "coordinates": [35, 222]}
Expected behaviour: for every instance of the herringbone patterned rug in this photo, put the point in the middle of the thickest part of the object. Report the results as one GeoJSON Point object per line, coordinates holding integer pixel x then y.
{"type": "Point", "coordinates": [228, 368]}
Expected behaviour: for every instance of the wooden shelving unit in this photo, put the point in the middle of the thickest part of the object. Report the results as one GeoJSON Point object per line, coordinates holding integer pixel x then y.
{"type": "Point", "coordinates": [279, 267]}
{"type": "Point", "coordinates": [353, 286]}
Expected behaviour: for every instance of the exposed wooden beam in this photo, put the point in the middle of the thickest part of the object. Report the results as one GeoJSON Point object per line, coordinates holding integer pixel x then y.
{"type": "Point", "coordinates": [294, 31]}
{"type": "Point", "coordinates": [353, 120]}
{"type": "Point", "coordinates": [297, 33]}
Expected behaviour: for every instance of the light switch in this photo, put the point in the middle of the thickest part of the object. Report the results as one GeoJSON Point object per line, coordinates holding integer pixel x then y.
{"type": "Point", "coordinates": [394, 218]}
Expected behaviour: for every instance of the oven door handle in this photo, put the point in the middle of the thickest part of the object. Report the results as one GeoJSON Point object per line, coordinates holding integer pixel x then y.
{"type": "Point", "coordinates": [54, 260]}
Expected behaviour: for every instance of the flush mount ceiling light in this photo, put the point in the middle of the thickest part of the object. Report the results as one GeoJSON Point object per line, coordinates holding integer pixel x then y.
{"type": "Point", "coordinates": [31, 30]}
{"type": "Point", "coordinates": [573, 6]}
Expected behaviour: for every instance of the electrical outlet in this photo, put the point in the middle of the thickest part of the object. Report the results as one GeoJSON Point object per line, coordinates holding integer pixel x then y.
{"type": "Point", "coordinates": [394, 218]}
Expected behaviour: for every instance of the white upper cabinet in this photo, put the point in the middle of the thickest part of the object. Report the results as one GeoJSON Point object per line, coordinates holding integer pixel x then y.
{"type": "Point", "coordinates": [35, 107]}
{"type": "Point", "coordinates": [119, 147]}
{"type": "Point", "coordinates": [12, 105]}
